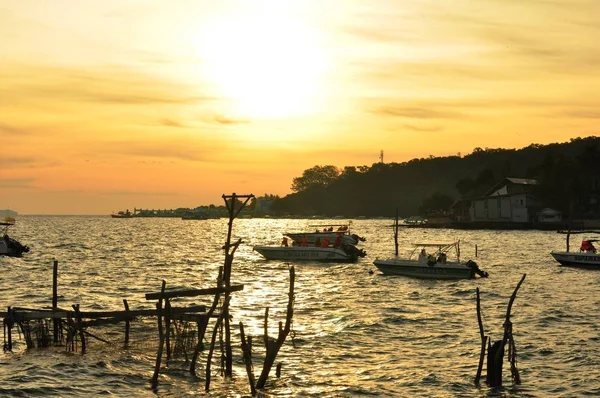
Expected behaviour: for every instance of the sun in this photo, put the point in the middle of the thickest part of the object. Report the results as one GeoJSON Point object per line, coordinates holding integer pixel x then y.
{"type": "Point", "coordinates": [268, 65]}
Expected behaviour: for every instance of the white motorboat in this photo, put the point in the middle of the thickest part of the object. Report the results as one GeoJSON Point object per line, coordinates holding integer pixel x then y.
{"type": "Point", "coordinates": [430, 261]}
{"type": "Point", "coordinates": [585, 257]}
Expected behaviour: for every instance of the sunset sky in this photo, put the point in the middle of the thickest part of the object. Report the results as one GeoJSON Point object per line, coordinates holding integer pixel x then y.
{"type": "Point", "coordinates": [114, 104]}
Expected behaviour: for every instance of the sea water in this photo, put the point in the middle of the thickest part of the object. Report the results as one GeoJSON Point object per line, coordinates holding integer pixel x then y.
{"type": "Point", "coordinates": [355, 332]}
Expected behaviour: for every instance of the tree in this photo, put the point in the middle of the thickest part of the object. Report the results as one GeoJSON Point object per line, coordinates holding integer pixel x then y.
{"type": "Point", "coordinates": [317, 176]}
{"type": "Point", "coordinates": [436, 204]}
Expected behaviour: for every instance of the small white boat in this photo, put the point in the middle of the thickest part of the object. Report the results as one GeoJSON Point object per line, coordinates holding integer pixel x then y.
{"type": "Point", "coordinates": [324, 231]}
{"type": "Point", "coordinates": [343, 253]}
{"type": "Point", "coordinates": [9, 246]}
{"type": "Point", "coordinates": [586, 257]}
{"type": "Point", "coordinates": [430, 261]}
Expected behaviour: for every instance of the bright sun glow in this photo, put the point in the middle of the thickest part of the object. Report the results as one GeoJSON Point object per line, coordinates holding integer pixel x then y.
{"type": "Point", "coordinates": [268, 64]}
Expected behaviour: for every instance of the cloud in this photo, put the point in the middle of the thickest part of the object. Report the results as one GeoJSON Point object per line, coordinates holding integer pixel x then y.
{"type": "Point", "coordinates": [170, 123]}
{"type": "Point", "coordinates": [416, 113]}
{"type": "Point", "coordinates": [226, 120]}
{"type": "Point", "coordinates": [17, 182]}
{"type": "Point", "coordinates": [422, 128]}
{"type": "Point", "coordinates": [105, 84]}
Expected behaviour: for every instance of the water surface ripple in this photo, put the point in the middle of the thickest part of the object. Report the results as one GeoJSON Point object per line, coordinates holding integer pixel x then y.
{"type": "Point", "coordinates": [356, 332]}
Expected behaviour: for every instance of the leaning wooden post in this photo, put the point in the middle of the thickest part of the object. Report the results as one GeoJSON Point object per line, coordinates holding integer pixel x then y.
{"type": "Point", "coordinates": [127, 323]}
{"type": "Point", "coordinates": [483, 340]}
{"type": "Point", "coordinates": [161, 337]}
{"type": "Point", "coordinates": [55, 321]}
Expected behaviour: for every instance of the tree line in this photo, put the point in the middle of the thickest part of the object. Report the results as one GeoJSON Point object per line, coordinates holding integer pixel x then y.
{"type": "Point", "coordinates": [568, 176]}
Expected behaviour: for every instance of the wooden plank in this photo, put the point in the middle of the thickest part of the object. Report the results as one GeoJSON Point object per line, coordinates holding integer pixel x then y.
{"type": "Point", "coordinates": [193, 292]}
{"type": "Point", "coordinates": [49, 314]}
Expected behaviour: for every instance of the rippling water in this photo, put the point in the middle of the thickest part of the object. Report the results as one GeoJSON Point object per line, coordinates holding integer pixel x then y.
{"type": "Point", "coordinates": [356, 332]}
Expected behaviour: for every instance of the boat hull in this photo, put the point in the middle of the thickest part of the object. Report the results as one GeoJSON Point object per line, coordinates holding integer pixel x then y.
{"type": "Point", "coordinates": [300, 253]}
{"type": "Point", "coordinates": [12, 248]}
{"type": "Point", "coordinates": [415, 269]}
{"type": "Point", "coordinates": [577, 259]}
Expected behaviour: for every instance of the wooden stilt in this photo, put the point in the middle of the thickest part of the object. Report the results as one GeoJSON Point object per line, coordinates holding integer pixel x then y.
{"type": "Point", "coordinates": [79, 327]}
{"type": "Point", "coordinates": [127, 324]}
{"type": "Point", "coordinates": [55, 321]}
{"type": "Point", "coordinates": [9, 324]}
{"type": "Point", "coordinates": [168, 328]}
{"type": "Point", "coordinates": [161, 337]}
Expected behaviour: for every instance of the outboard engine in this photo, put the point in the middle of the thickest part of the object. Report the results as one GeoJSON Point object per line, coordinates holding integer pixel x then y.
{"type": "Point", "coordinates": [14, 248]}
{"type": "Point", "coordinates": [473, 265]}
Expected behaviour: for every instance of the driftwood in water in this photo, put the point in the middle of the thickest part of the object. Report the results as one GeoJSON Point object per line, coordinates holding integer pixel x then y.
{"type": "Point", "coordinates": [495, 352]}
{"type": "Point", "coordinates": [272, 346]}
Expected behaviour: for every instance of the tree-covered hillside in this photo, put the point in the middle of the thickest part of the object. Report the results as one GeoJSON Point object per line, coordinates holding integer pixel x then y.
{"type": "Point", "coordinates": [410, 186]}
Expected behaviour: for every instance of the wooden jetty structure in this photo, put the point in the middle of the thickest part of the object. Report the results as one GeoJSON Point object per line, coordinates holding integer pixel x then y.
{"type": "Point", "coordinates": [181, 329]}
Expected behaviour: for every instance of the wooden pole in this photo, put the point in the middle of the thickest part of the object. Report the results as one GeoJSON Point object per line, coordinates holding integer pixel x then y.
{"type": "Point", "coordinates": [79, 327]}
{"type": "Point", "coordinates": [212, 309]}
{"type": "Point", "coordinates": [127, 324]}
{"type": "Point", "coordinates": [168, 328]}
{"type": "Point", "coordinates": [9, 324]}
{"type": "Point", "coordinates": [396, 233]}
{"type": "Point", "coordinates": [273, 347]}
{"type": "Point", "coordinates": [161, 338]}
{"type": "Point", "coordinates": [55, 322]}
{"type": "Point", "coordinates": [247, 352]}
{"type": "Point", "coordinates": [483, 340]}
{"type": "Point", "coordinates": [212, 345]}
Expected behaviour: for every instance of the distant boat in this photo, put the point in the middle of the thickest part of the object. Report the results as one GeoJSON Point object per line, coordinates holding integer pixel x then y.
{"type": "Point", "coordinates": [122, 214]}
{"type": "Point", "coordinates": [194, 215]}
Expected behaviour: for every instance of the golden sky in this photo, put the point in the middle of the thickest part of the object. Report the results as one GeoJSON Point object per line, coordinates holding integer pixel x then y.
{"type": "Point", "coordinates": [114, 104]}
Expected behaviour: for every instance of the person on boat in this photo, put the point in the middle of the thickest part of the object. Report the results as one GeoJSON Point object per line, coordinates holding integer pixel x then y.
{"type": "Point", "coordinates": [284, 242]}
{"type": "Point", "coordinates": [587, 246]}
{"type": "Point", "coordinates": [330, 229]}
{"type": "Point", "coordinates": [326, 242]}
{"type": "Point", "coordinates": [304, 242]}
{"type": "Point", "coordinates": [423, 256]}
{"type": "Point", "coordinates": [318, 242]}
{"type": "Point", "coordinates": [338, 241]}
{"type": "Point", "coordinates": [442, 258]}
{"type": "Point", "coordinates": [431, 260]}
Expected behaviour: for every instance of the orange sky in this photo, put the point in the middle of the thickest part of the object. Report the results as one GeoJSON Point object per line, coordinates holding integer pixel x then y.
{"type": "Point", "coordinates": [114, 104]}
